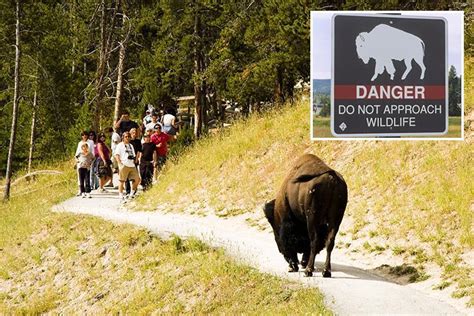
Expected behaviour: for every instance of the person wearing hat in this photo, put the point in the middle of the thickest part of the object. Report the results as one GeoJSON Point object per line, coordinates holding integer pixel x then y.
{"type": "Point", "coordinates": [160, 139]}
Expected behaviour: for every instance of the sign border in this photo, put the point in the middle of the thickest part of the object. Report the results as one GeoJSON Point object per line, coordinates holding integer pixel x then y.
{"type": "Point", "coordinates": [374, 135]}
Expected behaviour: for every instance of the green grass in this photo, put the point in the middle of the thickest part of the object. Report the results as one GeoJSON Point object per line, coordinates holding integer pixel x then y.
{"type": "Point", "coordinates": [322, 127]}
{"type": "Point", "coordinates": [65, 263]}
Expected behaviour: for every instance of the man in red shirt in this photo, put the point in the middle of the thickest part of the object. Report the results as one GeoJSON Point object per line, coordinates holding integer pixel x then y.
{"type": "Point", "coordinates": [160, 139]}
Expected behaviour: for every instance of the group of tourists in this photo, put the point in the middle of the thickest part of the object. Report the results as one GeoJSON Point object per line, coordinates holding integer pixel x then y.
{"type": "Point", "coordinates": [137, 160]}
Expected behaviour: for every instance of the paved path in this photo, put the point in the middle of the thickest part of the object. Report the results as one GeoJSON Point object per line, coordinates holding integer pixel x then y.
{"type": "Point", "coordinates": [349, 291]}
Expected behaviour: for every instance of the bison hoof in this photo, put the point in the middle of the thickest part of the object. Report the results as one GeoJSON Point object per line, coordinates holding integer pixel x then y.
{"type": "Point", "coordinates": [293, 267]}
{"type": "Point", "coordinates": [326, 274]}
{"type": "Point", "coordinates": [308, 273]}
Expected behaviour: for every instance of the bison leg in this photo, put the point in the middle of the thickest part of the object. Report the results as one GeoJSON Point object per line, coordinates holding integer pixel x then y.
{"type": "Point", "coordinates": [419, 61]}
{"type": "Point", "coordinates": [304, 260]}
{"type": "Point", "coordinates": [390, 68]}
{"type": "Point", "coordinates": [313, 238]}
{"type": "Point", "coordinates": [379, 69]}
{"type": "Point", "coordinates": [329, 247]}
{"type": "Point", "coordinates": [408, 65]}
{"type": "Point", "coordinates": [293, 263]}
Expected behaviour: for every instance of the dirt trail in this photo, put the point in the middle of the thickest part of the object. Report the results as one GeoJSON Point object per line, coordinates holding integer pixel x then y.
{"type": "Point", "coordinates": [349, 291]}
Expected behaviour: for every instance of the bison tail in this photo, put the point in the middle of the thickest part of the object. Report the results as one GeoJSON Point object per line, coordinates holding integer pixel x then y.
{"type": "Point", "coordinates": [322, 232]}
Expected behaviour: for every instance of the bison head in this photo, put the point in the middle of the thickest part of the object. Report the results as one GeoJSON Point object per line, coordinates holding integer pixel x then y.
{"type": "Point", "coordinates": [269, 209]}
{"type": "Point", "coordinates": [362, 47]}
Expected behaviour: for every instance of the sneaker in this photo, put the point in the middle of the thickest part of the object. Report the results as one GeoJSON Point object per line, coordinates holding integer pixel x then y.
{"type": "Point", "coordinates": [83, 195]}
{"type": "Point", "coordinates": [102, 190]}
{"type": "Point", "coordinates": [79, 193]}
{"type": "Point", "coordinates": [133, 195]}
{"type": "Point", "coordinates": [89, 195]}
{"type": "Point", "coordinates": [123, 198]}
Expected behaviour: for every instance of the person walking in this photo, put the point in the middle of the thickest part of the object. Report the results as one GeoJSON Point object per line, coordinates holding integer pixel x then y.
{"type": "Point", "coordinates": [124, 124]}
{"type": "Point", "coordinates": [84, 140]}
{"type": "Point", "coordinates": [125, 156]}
{"type": "Point", "coordinates": [115, 140]}
{"type": "Point", "coordinates": [148, 132]}
{"type": "Point", "coordinates": [84, 161]}
{"type": "Point", "coordinates": [137, 146]}
{"type": "Point", "coordinates": [104, 169]}
{"type": "Point", "coordinates": [154, 121]}
{"type": "Point", "coordinates": [160, 139]}
{"type": "Point", "coordinates": [93, 173]}
{"type": "Point", "coordinates": [169, 123]}
{"type": "Point", "coordinates": [148, 160]}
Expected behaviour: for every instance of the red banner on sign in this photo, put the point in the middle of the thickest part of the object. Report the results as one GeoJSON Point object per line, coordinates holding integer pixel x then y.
{"type": "Point", "coordinates": [388, 92]}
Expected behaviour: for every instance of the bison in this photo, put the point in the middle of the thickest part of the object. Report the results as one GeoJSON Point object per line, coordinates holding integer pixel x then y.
{"type": "Point", "coordinates": [385, 43]}
{"type": "Point", "coordinates": [307, 212]}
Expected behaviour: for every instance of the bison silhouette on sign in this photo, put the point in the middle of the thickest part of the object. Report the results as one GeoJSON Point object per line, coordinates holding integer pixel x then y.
{"type": "Point", "coordinates": [385, 43]}
{"type": "Point", "coordinates": [307, 212]}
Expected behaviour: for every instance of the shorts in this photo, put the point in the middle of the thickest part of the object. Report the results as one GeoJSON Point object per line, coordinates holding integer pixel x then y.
{"type": "Point", "coordinates": [170, 130]}
{"type": "Point", "coordinates": [103, 169]}
{"type": "Point", "coordinates": [130, 173]}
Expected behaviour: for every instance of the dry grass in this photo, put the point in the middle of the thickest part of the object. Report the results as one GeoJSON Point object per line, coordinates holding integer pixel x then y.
{"type": "Point", "coordinates": [415, 195]}
{"type": "Point", "coordinates": [62, 263]}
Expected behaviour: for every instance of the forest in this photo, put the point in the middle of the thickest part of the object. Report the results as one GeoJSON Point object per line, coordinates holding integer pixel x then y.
{"type": "Point", "coordinates": [70, 65]}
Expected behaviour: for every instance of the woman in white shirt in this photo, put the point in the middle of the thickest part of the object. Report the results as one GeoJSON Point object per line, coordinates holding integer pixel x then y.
{"type": "Point", "coordinates": [169, 125]}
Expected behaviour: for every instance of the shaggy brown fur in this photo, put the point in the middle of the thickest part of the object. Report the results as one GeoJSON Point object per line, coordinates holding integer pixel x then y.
{"type": "Point", "coordinates": [307, 212]}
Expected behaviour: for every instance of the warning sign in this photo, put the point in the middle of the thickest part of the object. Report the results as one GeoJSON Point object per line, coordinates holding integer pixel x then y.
{"type": "Point", "coordinates": [389, 75]}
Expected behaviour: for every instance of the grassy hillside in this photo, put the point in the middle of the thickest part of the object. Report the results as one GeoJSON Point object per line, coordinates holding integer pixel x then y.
{"type": "Point", "coordinates": [64, 263]}
{"type": "Point", "coordinates": [417, 196]}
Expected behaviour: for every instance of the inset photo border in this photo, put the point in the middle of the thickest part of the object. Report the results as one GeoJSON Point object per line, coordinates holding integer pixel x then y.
{"type": "Point", "coordinates": [322, 103]}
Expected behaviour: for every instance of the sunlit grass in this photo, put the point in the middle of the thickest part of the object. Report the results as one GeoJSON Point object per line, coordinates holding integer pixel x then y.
{"type": "Point", "coordinates": [468, 84]}
{"type": "Point", "coordinates": [64, 263]}
{"type": "Point", "coordinates": [422, 189]}
{"type": "Point", "coordinates": [234, 162]}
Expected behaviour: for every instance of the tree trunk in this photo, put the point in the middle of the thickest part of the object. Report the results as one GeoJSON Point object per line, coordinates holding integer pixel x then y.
{"type": "Point", "coordinates": [100, 70]}
{"type": "Point", "coordinates": [222, 107]}
{"type": "Point", "coordinates": [278, 91]}
{"type": "Point", "coordinates": [204, 103]}
{"type": "Point", "coordinates": [32, 135]}
{"type": "Point", "coordinates": [214, 104]}
{"type": "Point", "coordinates": [11, 148]}
{"type": "Point", "coordinates": [197, 87]}
{"type": "Point", "coordinates": [121, 66]}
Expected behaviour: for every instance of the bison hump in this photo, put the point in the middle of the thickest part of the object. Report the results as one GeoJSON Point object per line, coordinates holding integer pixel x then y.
{"type": "Point", "coordinates": [308, 167]}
